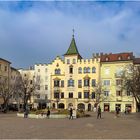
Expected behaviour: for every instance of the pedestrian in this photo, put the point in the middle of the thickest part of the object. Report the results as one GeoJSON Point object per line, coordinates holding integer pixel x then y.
{"type": "Point", "coordinates": [117, 111]}
{"type": "Point", "coordinates": [99, 112]}
{"type": "Point", "coordinates": [48, 113]}
{"type": "Point", "coordinates": [71, 114]}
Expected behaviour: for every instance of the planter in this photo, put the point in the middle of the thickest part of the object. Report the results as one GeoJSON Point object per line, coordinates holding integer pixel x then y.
{"type": "Point", "coordinates": [52, 116]}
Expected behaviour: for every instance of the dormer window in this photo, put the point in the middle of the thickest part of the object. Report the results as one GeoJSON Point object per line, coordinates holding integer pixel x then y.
{"type": "Point", "coordinates": [119, 58]}
{"type": "Point", "coordinates": [68, 61]}
{"type": "Point", "coordinates": [128, 57]}
{"type": "Point", "coordinates": [106, 59]}
{"type": "Point", "coordinates": [57, 71]}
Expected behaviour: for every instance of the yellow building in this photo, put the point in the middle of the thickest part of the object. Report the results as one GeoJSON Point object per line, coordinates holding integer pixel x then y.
{"type": "Point", "coordinates": [73, 80]}
{"type": "Point", "coordinates": [112, 66]}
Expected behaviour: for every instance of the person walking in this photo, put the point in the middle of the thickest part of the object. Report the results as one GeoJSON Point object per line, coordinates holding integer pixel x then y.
{"type": "Point", "coordinates": [99, 112]}
{"type": "Point", "coordinates": [48, 113]}
{"type": "Point", "coordinates": [117, 111]}
{"type": "Point", "coordinates": [71, 114]}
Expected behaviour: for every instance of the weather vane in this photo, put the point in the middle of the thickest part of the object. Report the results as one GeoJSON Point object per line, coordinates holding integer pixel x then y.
{"type": "Point", "coordinates": [73, 32]}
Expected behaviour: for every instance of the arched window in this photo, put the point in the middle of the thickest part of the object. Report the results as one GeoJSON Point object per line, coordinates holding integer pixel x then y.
{"type": "Point", "coordinates": [88, 69]}
{"type": "Point", "coordinates": [79, 70]}
{"type": "Point", "coordinates": [85, 70]}
{"type": "Point", "coordinates": [57, 71]}
{"type": "Point", "coordinates": [93, 70]}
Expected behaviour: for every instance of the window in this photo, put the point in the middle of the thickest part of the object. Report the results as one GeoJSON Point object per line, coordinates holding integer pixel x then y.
{"type": "Point", "coordinates": [86, 82]}
{"type": "Point", "coordinates": [70, 95]}
{"type": "Point", "coordinates": [79, 83]}
{"type": "Point", "coordinates": [88, 70]}
{"type": "Point", "coordinates": [57, 71]}
{"type": "Point", "coordinates": [118, 93]}
{"type": "Point", "coordinates": [71, 70]}
{"type": "Point", "coordinates": [46, 78]}
{"type": "Point", "coordinates": [56, 95]}
{"type": "Point", "coordinates": [85, 70]}
{"type": "Point", "coordinates": [62, 83]}
{"type": "Point", "coordinates": [74, 61]}
{"type": "Point", "coordinates": [68, 61]}
{"type": "Point", "coordinates": [106, 93]}
{"type": "Point", "coordinates": [106, 59]}
{"type": "Point", "coordinates": [62, 95]}
{"type": "Point", "coordinates": [79, 94]}
{"type": "Point", "coordinates": [93, 82]}
{"type": "Point", "coordinates": [93, 95]}
{"type": "Point", "coordinates": [38, 70]}
{"type": "Point", "coordinates": [79, 70]}
{"type": "Point", "coordinates": [119, 82]}
{"type": "Point", "coordinates": [119, 58]}
{"type": "Point", "coordinates": [24, 75]}
{"type": "Point", "coordinates": [38, 87]}
{"type": "Point", "coordinates": [86, 95]}
{"type": "Point", "coordinates": [107, 71]}
{"type": "Point", "coordinates": [46, 70]}
{"type": "Point", "coordinates": [93, 70]}
{"type": "Point", "coordinates": [46, 87]}
{"type": "Point", "coordinates": [56, 83]}
{"type": "Point", "coordinates": [70, 83]}
{"type": "Point", "coordinates": [106, 82]}
{"type": "Point", "coordinates": [5, 68]}
{"type": "Point", "coordinates": [31, 82]}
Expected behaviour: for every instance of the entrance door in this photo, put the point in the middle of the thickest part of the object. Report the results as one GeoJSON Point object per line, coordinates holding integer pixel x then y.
{"type": "Point", "coordinates": [89, 107]}
{"type": "Point", "coordinates": [106, 107]}
{"type": "Point", "coordinates": [119, 106]}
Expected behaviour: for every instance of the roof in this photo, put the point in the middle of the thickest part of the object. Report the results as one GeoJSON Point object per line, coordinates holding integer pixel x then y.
{"type": "Point", "coordinates": [5, 60]}
{"type": "Point", "coordinates": [72, 50]}
{"type": "Point", "coordinates": [137, 61]}
{"type": "Point", "coordinates": [117, 57]}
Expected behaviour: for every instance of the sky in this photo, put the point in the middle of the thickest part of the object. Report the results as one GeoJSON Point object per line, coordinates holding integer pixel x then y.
{"type": "Point", "coordinates": [36, 32]}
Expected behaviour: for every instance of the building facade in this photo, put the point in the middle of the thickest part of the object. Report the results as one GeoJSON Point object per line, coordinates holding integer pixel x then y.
{"type": "Point", "coordinates": [73, 81]}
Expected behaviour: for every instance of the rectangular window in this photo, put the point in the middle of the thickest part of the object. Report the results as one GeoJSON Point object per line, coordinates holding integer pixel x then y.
{"type": "Point", "coordinates": [70, 95]}
{"type": "Point", "coordinates": [106, 93]}
{"type": "Point", "coordinates": [46, 87]}
{"type": "Point", "coordinates": [106, 82]}
{"type": "Point", "coordinates": [86, 95]}
{"type": "Point", "coordinates": [119, 82]}
{"type": "Point", "coordinates": [118, 93]}
{"type": "Point", "coordinates": [56, 95]}
{"type": "Point", "coordinates": [68, 61]}
{"type": "Point", "coordinates": [56, 83]}
{"type": "Point", "coordinates": [31, 82]}
{"type": "Point", "coordinates": [71, 70]}
{"type": "Point", "coordinates": [62, 95]}
{"type": "Point", "coordinates": [70, 83]}
{"type": "Point", "coordinates": [86, 82]}
{"type": "Point", "coordinates": [80, 95]}
{"type": "Point", "coordinates": [93, 95]}
{"type": "Point", "coordinates": [79, 83]}
{"type": "Point", "coordinates": [93, 82]}
{"type": "Point", "coordinates": [5, 68]}
{"type": "Point", "coordinates": [62, 83]}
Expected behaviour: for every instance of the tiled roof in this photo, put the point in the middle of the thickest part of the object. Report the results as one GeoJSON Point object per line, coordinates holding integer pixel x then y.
{"type": "Point", "coordinates": [117, 57]}
{"type": "Point", "coordinates": [5, 60]}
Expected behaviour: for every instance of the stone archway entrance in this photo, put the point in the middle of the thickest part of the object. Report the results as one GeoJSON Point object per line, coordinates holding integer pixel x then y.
{"type": "Point", "coordinates": [89, 107]}
{"type": "Point", "coordinates": [81, 106]}
{"type": "Point", "coordinates": [61, 105]}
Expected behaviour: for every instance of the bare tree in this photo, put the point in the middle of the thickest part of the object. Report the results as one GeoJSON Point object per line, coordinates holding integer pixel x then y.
{"type": "Point", "coordinates": [27, 87]}
{"type": "Point", "coordinates": [131, 82]}
{"type": "Point", "coordinates": [7, 90]}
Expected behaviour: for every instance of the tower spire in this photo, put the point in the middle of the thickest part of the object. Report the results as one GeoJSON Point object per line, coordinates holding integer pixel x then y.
{"type": "Point", "coordinates": [73, 32]}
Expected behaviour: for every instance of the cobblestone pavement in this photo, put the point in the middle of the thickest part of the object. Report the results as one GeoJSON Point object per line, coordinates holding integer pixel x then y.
{"type": "Point", "coordinates": [126, 126]}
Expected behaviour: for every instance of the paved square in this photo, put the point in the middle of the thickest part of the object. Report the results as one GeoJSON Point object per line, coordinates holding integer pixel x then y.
{"type": "Point", "coordinates": [126, 126]}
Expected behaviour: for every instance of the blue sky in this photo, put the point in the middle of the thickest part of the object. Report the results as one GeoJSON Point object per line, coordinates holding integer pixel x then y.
{"type": "Point", "coordinates": [36, 32]}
